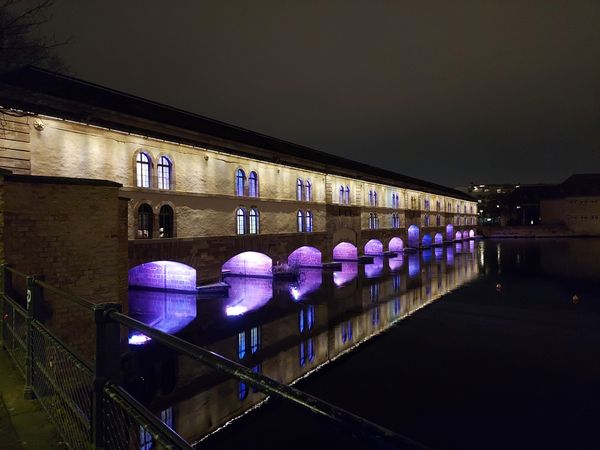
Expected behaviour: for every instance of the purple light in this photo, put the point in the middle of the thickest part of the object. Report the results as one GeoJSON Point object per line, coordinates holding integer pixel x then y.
{"type": "Point", "coordinates": [458, 236]}
{"type": "Point", "coordinates": [305, 257]}
{"type": "Point", "coordinates": [345, 251]}
{"type": "Point", "coordinates": [458, 247]}
{"type": "Point", "coordinates": [427, 255]}
{"type": "Point", "coordinates": [427, 240]}
{"type": "Point", "coordinates": [439, 251]}
{"type": "Point", "coordinates": [376, 269]}
{"type": "Point", "coordinates": [413, 236]}
{"type": "Point", "coordinates": [348, 273]}
{"type": "Point", "coordinates": [247, 294]}
{"type": "Point", "coordinates": [465, 234]}
{"type": "Point", "coordinates": [396, 245]}
{"type": "Point", "coordinates": [374, 247]}
{"type": "Point", "coordinates": [251, 264]}
{"type": "Point", "coordinates": [449, 231]}
{"type": "Point", "coordinates": [164, 275]}
{"type": "Point", "coordinates": [396, 263]}
{"type": "Point", "coordinates": [450, 256]}
{"type": "Point", "coordinates": [138, 339]}
{"type": "Point", "coordinates": [471, 246]}
{"type": "Point", "coordinates": [414, 267]}
{"type": "Point", "coordinates": [309, 280]}
{"type": "Point", "coordinates": [471, 233]}
{"type": "Point", "coordinates": [438, 239]}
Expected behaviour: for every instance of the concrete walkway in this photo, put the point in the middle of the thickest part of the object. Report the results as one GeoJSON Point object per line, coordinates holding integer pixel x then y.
{"type": "Point", "coordinates": [23, 423]}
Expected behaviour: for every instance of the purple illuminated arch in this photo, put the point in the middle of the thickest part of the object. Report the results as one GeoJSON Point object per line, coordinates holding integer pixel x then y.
{"type": "Point", "coordinates": [374, 247]}
{"type": "Point", "coordinates": [168, 275]}
{"type": "Point", "coordinates": [376, 269]}
{"type": "Point", "coordinates": [427, 240]}
{"type": "Point", "coordinates": [465, 234]}
{"type": "Point", "coordinates": [345, 251]}
{"type": "Point", "coordinates": [305, 257]}
{"type": "Point", "coordinates": [458, 236]}
{"type": "Point", "coordinates": [396, 263]}
{"type": "Point", "coordinates": [348, 273]}
{"type": "Point", "coordinates": [396, 245]}
{"type": "Point", "coordinates": [449, 231]}
{"type": "Point", "coordinates": [471, 233]}
{"type": "Point", "coordinates": [251, 264]}
{"type": "Point", "coordinates": [413, 236]}
{"type": "Point", "coordinates": [247, 294]}
{"type": "Point", "coordinates": [438, 239]}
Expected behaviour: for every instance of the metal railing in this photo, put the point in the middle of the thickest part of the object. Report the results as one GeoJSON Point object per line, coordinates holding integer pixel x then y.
{"type": "Point", "coordinates": [87, 403]}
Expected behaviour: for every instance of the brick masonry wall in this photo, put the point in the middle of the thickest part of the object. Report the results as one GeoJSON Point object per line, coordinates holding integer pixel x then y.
{"type": "Point", "coordinates": [73, 234]}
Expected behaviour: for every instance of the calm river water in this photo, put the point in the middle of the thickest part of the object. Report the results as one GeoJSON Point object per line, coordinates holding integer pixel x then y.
{"type": "Point", "coordinates": [425, 344]}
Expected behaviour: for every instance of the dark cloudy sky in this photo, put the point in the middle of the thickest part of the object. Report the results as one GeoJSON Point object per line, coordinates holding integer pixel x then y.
{"type": "Point", "coordinates": [448, 91]}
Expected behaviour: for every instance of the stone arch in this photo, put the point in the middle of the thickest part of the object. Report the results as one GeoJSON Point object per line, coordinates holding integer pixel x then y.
{"type": "Point", "coordinates": [413, 236]}
{"type": "Point", "coordinates": [374, 247]}
{"type": "Point", "coordinates": [465, 234]}
{"type": "Point", "coordinates": [427, 240]}
{"type": "Point", "coordinates": [471, 233]}
{"type": "Point", "coordinates": [164, 275]}
{"type": "Point", "coordinates": [396, 245]}
{"type": "Point", "coordinates": [449, 232]}
{"type": "Point", "coordinates": [345, 251]}
{"type": "Point", "coordinates": [305, 257]}
{"type": "Point", "coordinates": [252, 264]}
{"type": "Point", "coordinates": [458, 236]}
{"type": "Point", "coordinates": [438, 239]}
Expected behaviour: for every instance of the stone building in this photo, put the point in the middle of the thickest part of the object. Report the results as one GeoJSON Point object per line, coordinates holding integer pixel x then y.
{"type": "Point", "coordinates": [214, 196]}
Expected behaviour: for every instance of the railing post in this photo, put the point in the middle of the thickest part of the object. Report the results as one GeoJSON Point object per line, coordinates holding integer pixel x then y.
{"type": "Point", "coordinates": [34, 301]}
{"type": "Point", "coordinates": [107, 367]}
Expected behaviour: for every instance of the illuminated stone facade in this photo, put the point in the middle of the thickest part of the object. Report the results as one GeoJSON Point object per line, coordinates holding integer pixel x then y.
{"type": "Point", "coordinates": [201, 192]}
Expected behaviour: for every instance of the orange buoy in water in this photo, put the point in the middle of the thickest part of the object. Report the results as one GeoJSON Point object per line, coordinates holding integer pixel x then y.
{"type": "Point", "coordinates": [575, 299]}
{"type": "Point", "coordinates": [498, 287]}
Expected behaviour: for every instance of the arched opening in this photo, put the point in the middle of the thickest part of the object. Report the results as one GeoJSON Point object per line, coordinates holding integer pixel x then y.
{"type": "Point", "coordinates": [145, 221]}
{"type": "Point", "coordinates": [240, 182]}
{"type": "Point", "coordinates": [438, 239]}
{"type": "Point", "coordinates": [374, 247]}
{"type": "Point", "coordinates": [143, 170]}
{"type": "Point", "coordinates": [427, 240]}
{"type": "Point", "coordinates": [471, 233]}
{"type": "Point", "coordinates": [165, 222]}
{"type": "Point", "coordinates": [396, 245]}
{"type": "Point", "coordinates": [449, 232]}
{"type": "Point", "coordinates": [413, 236]}
{"type": "Point", "coordinates": [164, 275]}
{"type": "Point", "coordinates": [164, 168]}
{"type": "Point", "coordinates": [465, 234]}
{"type": "Point", "coordinates": [305, 257]}
{"type": "Point", "coordinates": [345, 251]}
{"type": "Point", "coordinates": [253, 184]}
{"type": "Point", "coordinates": [251, 264]}
{"type": "Point", "coordinates": [458, 236]}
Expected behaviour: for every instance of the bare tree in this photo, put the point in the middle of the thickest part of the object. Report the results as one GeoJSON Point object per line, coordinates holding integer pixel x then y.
{"type": "Point", "coordinates": [21, 39]}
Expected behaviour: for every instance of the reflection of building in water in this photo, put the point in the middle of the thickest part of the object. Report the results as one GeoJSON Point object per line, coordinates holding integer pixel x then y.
{"type": "Point", "coordinates": [297, 337]}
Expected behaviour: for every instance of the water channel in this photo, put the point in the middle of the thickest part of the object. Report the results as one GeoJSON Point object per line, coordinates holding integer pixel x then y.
{"type": "Point", "coordinates": [471, 345]}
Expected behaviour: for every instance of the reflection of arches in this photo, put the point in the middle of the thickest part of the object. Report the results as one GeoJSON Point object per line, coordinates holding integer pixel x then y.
{"type": "Point", "coordinates": [427, 240]}
{"type": "Point", "coordinates": [305, 257]}
{"type": "Point", "coordinates": [169, 275]}
{"type": "Point", "coordinates": [413, 236]}
{"type": "Point", "coordinates": [449, 231]}
{"type": "Point", "coordinates": [345, 251]}
{"type": "Point", "coordinates": [438, 239]}
{"type": "Point", "coordinates": [249, 264]}
{"type": "Point", "coordinates": [471, 233]}
{"type": "Point", "coordinates": [373, 247]}
{"type": "Point", "coordinates": [465, 234]}
{"type": "Point", "coordinates": [458, 236]}
{"type": "Point", "coordinates": [396, 245]}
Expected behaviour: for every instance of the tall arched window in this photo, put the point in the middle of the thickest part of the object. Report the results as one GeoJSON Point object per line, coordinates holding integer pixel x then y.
{"type": "Point", "coordinates": [299, 189]}
{"type": "Point", "coordinates": [374, 198]}
{"type": "Point", "coordinates": [300, 217]}
{"type": "Point", "coordinates": [165, 222]}
{"type": "Point", "coordinates": [253, 184]}
{"type": "Point", "coordinates": [308, 190]}
{"type": "Point", "coordinates": [341, 195]}
{"type": "Point", "coordinates": [254, 221]}
{"type": "Point", "coordinates": [240, 221]}
{"type": "Point", "coordinates": [373, 221]}
{"type": "Point", "coordinates": [347, 195]}
{"type": "Point", "coordinates": [438, 220]}
{"type": "Point", "coordinates": [240, 182]}
{"type": "Point", "coordinates": [164, 167]}
{"type": "Point", "coordinates": [145, 221]}
{"type": "Point", "coordinates": [142, 164]}
{"type": "Point", "coordinates": [309, 222]}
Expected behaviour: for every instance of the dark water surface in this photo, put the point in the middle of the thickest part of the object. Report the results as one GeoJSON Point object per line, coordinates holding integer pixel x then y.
{"type": "Point", "coordinates": [447, 359]}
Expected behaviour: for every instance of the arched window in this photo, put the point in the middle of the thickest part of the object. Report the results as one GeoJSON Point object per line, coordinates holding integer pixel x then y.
{"type": "Point", "coordinates": [309, 222]}
{"type": "Point", "coordinates": [438, 206]}
{"type": "Point", "coordinates": [254, 221]}
{"type": "Point", "coordinates": [240, 182]}
{"type": "Point", "coordinates": [240, 221]}
{"type": "Point", "coordinates": [310, 350]}
{"type": "Point", "coordinates": [300, 217]}
{"type": "Point", "coordinates": [341, 195]}
{"type": "Point", "coordinates": [164, 167]}
{"type": "Point", "coordinates": [253, 184]}
{"type": "Point", "coordinates": [426, 220]}
{"type": "Point", "coordinates": [145, 221]}
{"type": "Point", "coordinates": [165, 222]}
{"type": "Point", "coordinates": [142, 164]}
{"type": "Point", "coordinates": [347, 195]}
{"type": "Point", "coordinates": [242, 345]}
{"type": "Point", "coordinates": [370, 221]}
{"type": "Point", "coordinates": [438, 220]}
{"type": "Point", "coordinates": [254, 339]}
{"type": "Point", "coordinates": [242, 390]}
{"type": "Point", "coordinates": [464, 209]}
{"type": "Point", "coordinates": [308, 191]}
{"type": "Point", "coordinates": [370, 198]}
{"type": "Point", "coordinates": [374, 198]}
{"type": "Point", "coordinates": [299, 189]}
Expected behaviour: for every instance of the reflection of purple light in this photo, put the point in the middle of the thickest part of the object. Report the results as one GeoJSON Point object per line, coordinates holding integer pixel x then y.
{"type": "Point", "coordinates": [305, 257]}
{"type": "Point", "coordinates": [249, 264]}
{"type": "Point", "coordinates": [163, 275]}
{"type": "Point", "coordinates": [345, 251]}
{"type": "Point", "coordinates": [396, 245]}
{"type": "Point", "coordinates": [138, 339]}
{"type": "Point", "coordinates": [449, 231]}
{"type": "Point", "coordinates": [413, 236]}
{"type": "Point", "coordinates": [373, 247]}
{"type": "Point", "coordinates": [375, 269]}
{"type": "Point", "coordinates": [450, 256]}
{"type": "Point", "coordinates": [438, 253]}
{"type": "Point", "coordinates": [396, 263]}
{"type": "Point", "coordinates": [427, 256]}
{"type": "Point", "coordinates": [309, 280]}
{"type": "Point", "coordinates": [472, 246]}
{"type": "Point", "coordinates": [458, 236]}
{"type": "Point", "coordinates": [347, 274]}
{"type": "Point", "coordinates": [458, 247]}
{"type": "Point", "coordinates": [438, 238]}
{"type": "Point", "coordinates": [414, 267]}
{"type": "Point", "coordinates": [247, 294]}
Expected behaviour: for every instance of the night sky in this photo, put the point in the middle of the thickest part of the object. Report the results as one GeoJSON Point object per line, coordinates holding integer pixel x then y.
{"type": "Point", "coordinates": [447, 91]}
